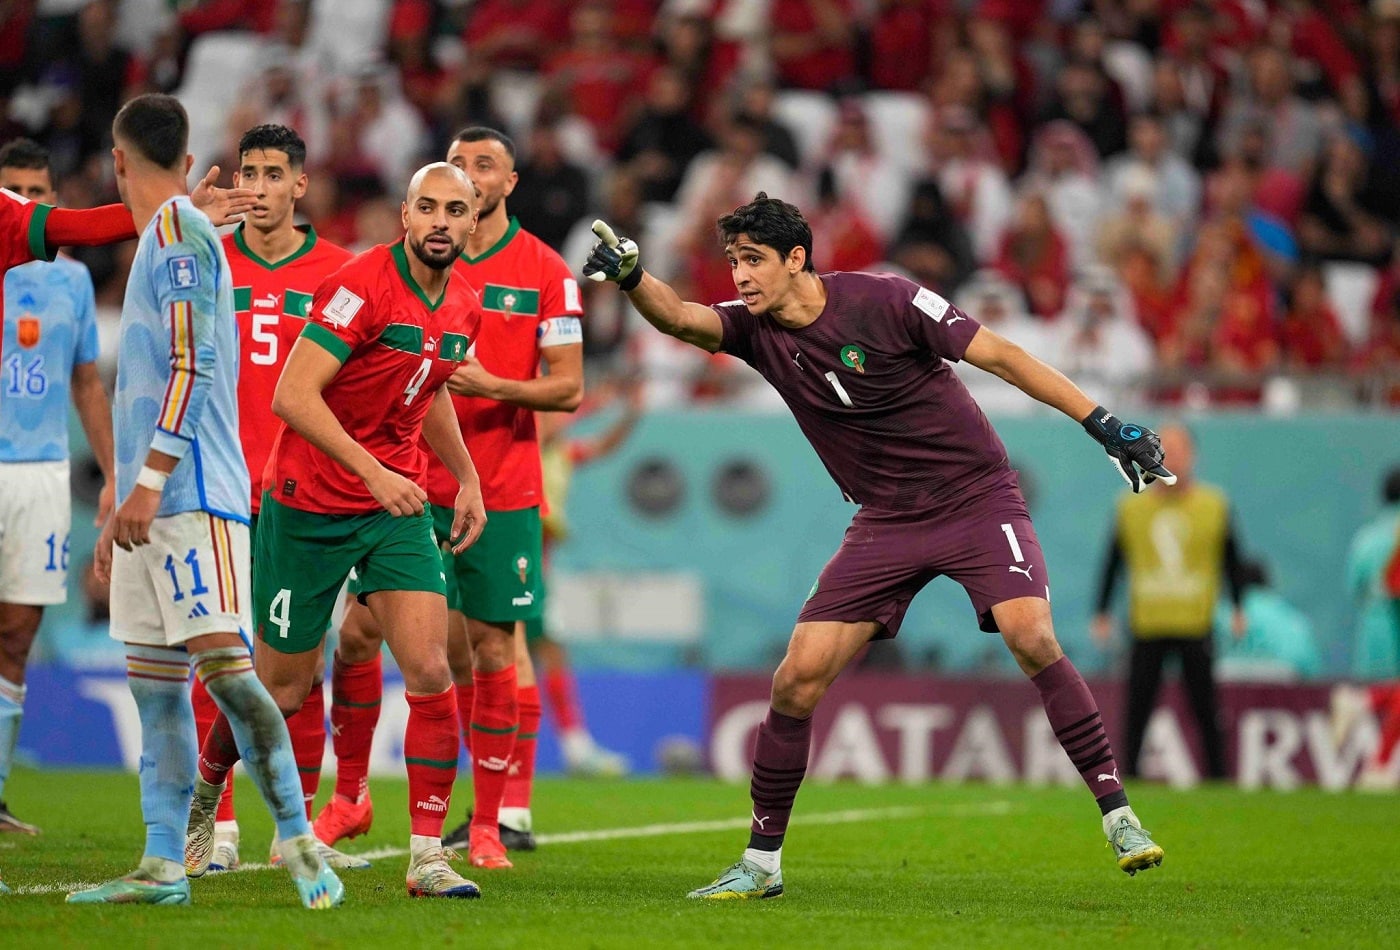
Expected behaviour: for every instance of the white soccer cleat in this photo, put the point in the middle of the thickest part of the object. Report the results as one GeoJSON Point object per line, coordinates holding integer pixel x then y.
{"type": "Point", "coordinates": [337, 860]}
{"type": "Point", "coordinates": [225, 855]}
{"type": "Point", "coordinates": [199, 833]}
{"type": "Point", "coordinates": [429, 875]}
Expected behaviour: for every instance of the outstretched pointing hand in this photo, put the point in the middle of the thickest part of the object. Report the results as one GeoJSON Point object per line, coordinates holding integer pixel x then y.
{"type": "Point", "coordinates": [613, 258]}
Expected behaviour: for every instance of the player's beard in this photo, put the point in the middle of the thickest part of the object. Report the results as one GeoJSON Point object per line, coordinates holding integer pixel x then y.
{"type": "Point", "coordinates": [436, 259]}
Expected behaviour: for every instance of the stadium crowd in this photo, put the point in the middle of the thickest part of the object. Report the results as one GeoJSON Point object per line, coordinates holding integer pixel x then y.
{"type": "Point", "coordinates": [1170, 199]}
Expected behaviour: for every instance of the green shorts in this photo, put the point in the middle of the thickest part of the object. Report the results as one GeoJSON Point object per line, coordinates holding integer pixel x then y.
{"type": "Point", "coordinates": [301, 560]}
{"type": "Point", "coordinates": [497, 579]}
{"type": "Point", "coordinates": [534, 628]}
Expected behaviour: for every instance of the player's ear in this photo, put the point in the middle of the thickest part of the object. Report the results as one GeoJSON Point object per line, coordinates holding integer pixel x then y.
{"type": "Point", "coordinates": [796, 259]}
{"type": "Point", "coordinates": [299, 186]}
{"type": "Point", "coordinates": [510, 183]}
{"type": "Point", "coordinates": [403, 214]}
{"type": "Point", "coordinates": [189, 163]}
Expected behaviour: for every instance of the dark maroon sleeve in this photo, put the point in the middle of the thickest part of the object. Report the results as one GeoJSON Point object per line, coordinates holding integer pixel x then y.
{"type": "Point", "coordinates": [739, 325]}
{"type": "Point", "coordinates": [933, 323]}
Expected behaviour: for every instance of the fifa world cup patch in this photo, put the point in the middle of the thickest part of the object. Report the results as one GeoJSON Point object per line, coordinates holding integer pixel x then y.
{"type": "Point", "coordinates": [342, 308]}
{"type": "Point", "coordinates": [558, 331]}
{"type": "Point", "coordinates": [931, 304]}
{"type": "Point", "coordinates": [184, 272]}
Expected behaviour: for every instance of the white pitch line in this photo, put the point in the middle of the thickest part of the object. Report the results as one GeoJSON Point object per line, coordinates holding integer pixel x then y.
{"type": "Point", "coordinates": [848, 816]}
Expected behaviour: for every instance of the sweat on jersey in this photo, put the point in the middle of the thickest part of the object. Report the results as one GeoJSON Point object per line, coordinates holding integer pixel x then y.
{"type": "Point", "coordinates": [50, 327]}
{"type": "Point", "coordinates": [177, 367]}
{"type": "Point", "coordinates": [396, 349]}
{"type": "Point", "coordinates": [271, 302]}
{"type": "Point", "coordinates": [530, 301]}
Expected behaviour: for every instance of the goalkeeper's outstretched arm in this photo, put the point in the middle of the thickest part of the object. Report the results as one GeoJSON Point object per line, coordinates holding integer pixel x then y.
{"type": "Point", "coordinates": [616, 260]}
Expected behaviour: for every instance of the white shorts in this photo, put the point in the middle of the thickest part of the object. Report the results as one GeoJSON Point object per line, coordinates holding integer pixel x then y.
{"type": "Point", "coordinates": [192, 579]}
{"type": "Point", "coordinates": [35, 518]}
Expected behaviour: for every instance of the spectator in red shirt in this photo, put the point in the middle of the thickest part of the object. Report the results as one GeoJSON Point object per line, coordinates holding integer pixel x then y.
{"type": "Point", "coordinates": [1311, 335]}
{"type": "Point", "coordinates": [598, 75]}
{"type": "Point", "coordinates": [1035, 256]}
{"type": "Point", "coordinates": [812, 43]}
{"type": "Point", "coordinates": [516, 34]}
{"type": "Point", "coordinates": [904, 35]}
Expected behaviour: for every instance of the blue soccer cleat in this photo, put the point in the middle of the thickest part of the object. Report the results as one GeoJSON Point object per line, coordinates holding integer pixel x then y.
{"type": "Point", "coordinates": [136, 888]}
{"type": "Point", "coordinates": [741, 881]}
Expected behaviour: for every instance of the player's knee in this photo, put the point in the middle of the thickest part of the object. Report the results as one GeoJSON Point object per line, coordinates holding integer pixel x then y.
{"type": "Point", "coordinates": [796, 693]}
{"type": "Point", "coordinates": [289, 696]}
{"type": "Point", "coordinates": [356, 647]}
{"type": "Point", "coordinates": [1034, 648]}
{"type": "Point", "coordinates": [426, 676]}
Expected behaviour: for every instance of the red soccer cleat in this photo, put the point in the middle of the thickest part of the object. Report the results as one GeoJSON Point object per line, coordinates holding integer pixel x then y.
{"type": "Point", "coordinates": [342, 818]}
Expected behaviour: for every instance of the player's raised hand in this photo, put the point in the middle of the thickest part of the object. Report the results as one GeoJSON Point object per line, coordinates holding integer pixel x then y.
{"type": "Point", "coordinates": [468, 517]}
{"type": "Point", "coordinates": [398, 495]}
{"type": "Point", "coordinates": [1135, 449]}
{"type": "Point", "coordinates": [613, 258]}
{"type": "Point", "coordinates": [222, 205]}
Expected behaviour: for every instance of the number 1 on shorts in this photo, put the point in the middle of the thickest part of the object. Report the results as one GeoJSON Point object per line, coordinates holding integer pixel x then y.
{"type": "Point", "coordinates": [1015, 545]}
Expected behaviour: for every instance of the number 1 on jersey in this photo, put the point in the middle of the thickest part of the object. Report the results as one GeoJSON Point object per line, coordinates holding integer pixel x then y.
{"type": "Point", "coordinates": [416, 383]}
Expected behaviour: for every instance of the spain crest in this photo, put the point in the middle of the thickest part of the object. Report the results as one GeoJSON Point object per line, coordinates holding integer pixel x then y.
{"type": "Point", "coordinates": [28, 331]}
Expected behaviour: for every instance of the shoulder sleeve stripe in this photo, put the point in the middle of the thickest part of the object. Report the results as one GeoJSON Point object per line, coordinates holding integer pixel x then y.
{"type": "Point", "coordinates": [181, 385]}
{"type": "Point", "coordinates": [38, 244]}
{"type": "Point", "coordinates": [327, 341]}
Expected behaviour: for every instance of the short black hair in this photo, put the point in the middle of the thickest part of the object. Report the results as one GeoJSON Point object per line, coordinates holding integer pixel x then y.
{"type": "Point", "coordinates": [24, 153]}
{"type": "Point", "coordinates": [278, 137]}
{"type": "Point", "coordinates": [771, 222]}
{"type": "Point", "coordinates": [1252, 572]}
{"type": "Point", "coordinates": [1390, 488]}
{"type": "Point", "coordinates": [157, 126]}
{"type": "Point", "coordinates": [482, 133]}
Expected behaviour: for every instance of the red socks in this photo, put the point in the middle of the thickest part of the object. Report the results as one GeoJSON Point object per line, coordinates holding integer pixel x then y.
{"type": "Point", "coordinates": [563, 699]}
{"type": "Point", "coordinates": [308, 732]}
{"type": "Point", "coordinates": [521, 777]}
{"type": "Point", "coordinates": [205, 712]}
{"type": "Point", "coordinates": [430, 753]}
{"type": "Point", "coordinates": [356, 692]}
{"type": "Point", "coordinates": [466, 696]}
{"type": "Point", "coordinates": [495, 721]}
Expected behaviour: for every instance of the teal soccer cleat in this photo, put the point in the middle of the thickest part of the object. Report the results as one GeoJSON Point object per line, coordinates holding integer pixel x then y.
{"type": "Point", "coordinates": [741, 881]}
{"type": "Point", "coordinates": [1132, 847]}
{"type": "Point", "coordinates": [322, 892]}
{"type": "Point", "coordinates": [136, 888]}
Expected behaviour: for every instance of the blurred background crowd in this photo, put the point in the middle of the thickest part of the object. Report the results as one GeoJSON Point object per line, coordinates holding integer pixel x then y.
{"type": "Point", "coordinates": [1172, 200]}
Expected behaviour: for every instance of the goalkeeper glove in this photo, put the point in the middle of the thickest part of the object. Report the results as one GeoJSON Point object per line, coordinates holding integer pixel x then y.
{"type": "Point", "coordinates": [613, 258]}
{"type": "Point", "coordinates": [1136, 450]}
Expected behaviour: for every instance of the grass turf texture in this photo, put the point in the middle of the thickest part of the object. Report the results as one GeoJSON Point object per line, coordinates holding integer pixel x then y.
{"type": "Point", "coordinates": [974, 866]}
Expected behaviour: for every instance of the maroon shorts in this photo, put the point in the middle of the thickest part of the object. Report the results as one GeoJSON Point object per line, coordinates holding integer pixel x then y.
{"type": "Point", "coordinates": [887, 557]}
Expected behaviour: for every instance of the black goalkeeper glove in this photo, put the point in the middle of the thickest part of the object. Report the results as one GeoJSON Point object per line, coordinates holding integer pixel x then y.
{"type": "Point", "coordinates": [613, 258]}
{"type": "Point", "coordinates": [1136, 450]}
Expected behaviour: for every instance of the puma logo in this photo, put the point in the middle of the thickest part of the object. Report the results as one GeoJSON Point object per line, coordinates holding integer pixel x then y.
{"type": "Point", "coordinates": [1105, 777]}
{"type": "Point", "coordinates": [1021, 570]}
{"type": "Point", "coordinates": [493, 764]}
{"type": "Point", "coordinates": [760, 821]}
{"type": "Point", "coordinates": [955, 318]}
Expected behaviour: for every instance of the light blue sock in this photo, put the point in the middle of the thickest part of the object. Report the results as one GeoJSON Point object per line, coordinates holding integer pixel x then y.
{"type": "Point", "coordinates": [159, 681]}
{"type": "Point", "coordinates": [11, 712]}
{"type": "Point", "coordinates": [260, 733]}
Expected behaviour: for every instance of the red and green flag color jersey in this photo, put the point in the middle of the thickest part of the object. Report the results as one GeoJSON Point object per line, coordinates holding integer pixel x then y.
{"type": "Point", "coordinates": [397, 348]}
{"type": "Point", "coordinates": [271, 301]}
{"type": "Point", "coordinates": [530, 301]}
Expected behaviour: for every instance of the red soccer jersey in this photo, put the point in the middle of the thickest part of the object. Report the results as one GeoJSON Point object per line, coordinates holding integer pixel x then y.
{"type": "Point", "coordinates": [21, 233]}
{"type": "Point", "coordinates": [397, 348]}
{"type": "Point", "coordinates": [271, 301]}
{"type": "Point", "coordinates": [529, 299]}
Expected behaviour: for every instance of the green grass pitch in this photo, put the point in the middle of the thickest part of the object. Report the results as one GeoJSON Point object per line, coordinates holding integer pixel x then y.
{"type": "Point", "coordinates": [956, 866]}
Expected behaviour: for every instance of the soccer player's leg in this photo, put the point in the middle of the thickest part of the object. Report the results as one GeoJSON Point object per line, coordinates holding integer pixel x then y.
{"type": "Point", "coordinates": [516, 824]}
{"type": "Point", "coordinates": [582, 754]}
{"type": "Point", "coordinates": [402, 584]}
{"type": "Point", "coordinates": [357, 689]}
{"type": "Point", "coordinates": [999, 562]}
{"type": "Point", "coordinates": [304, 551]}
{"type": "Point", "coordinates": [34, 523]}
{"type": "Point", "coordinates": [157, 675]}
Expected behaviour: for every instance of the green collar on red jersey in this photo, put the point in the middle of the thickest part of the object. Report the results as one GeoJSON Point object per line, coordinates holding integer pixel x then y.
{"type": "Point", "coordinates": [511, 230]}
{"type": "Point", "coordinates": [247, 252]}
{"type": "Point", "coordinates": [401, 262]}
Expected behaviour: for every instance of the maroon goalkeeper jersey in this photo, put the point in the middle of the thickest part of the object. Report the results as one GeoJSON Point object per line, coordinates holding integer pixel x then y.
{"type": "Point", "coordinates": [868, 384]}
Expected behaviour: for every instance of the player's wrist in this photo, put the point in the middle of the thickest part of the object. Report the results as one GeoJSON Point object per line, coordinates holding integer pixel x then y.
{"type": "Point", "coordinates": [633, 278]}
{"type": "Point", "coordinates": [152, 479]}
{"type": "Point", "coordinates": [1101, 425]}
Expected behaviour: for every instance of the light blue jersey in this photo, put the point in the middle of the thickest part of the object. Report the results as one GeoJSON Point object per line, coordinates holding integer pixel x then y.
{"type": "Point", "coordinates": [50, 327]}
{"type": "Point", "coordinates": [177, 367]}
